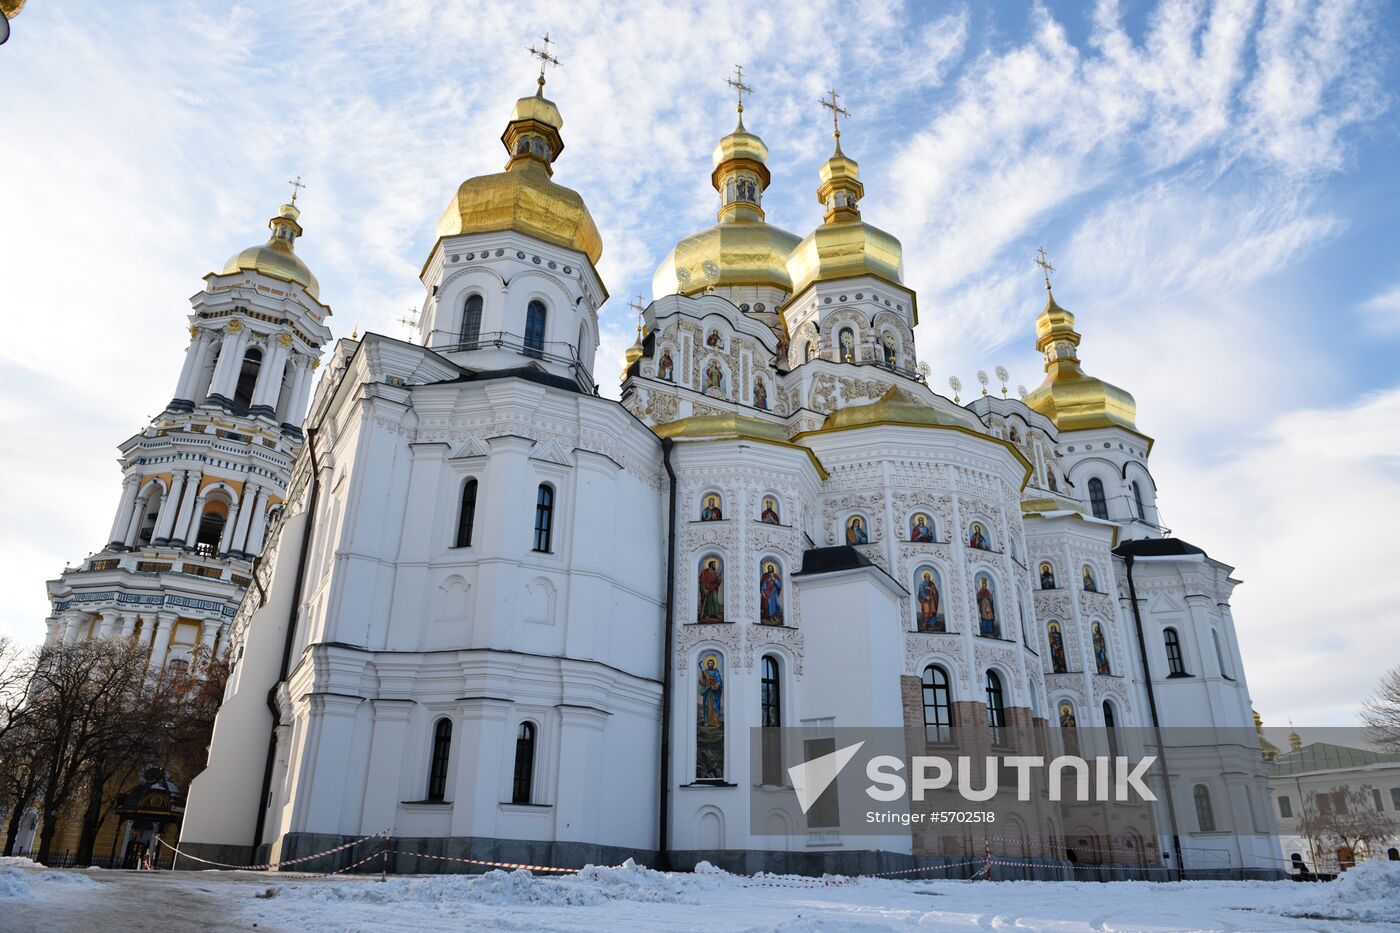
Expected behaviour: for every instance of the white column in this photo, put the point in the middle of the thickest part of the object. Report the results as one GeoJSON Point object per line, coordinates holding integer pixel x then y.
{"type": "Point", "coordinates": [286, 410]}
{"type": "Point", "coordinates": [300, 397]}
{"type": "Point", "coordinates": [109, 619]}
{"type": "Point", "coordinates": [196, 515]}
{"type": "Point", "coordinates": [270, 375]}
{"type": "Point", "coordinates": [164, 625]}
{"type": "Point", "coordinates": [55, 629]}
{"type": "Point", "coordinates": [208, 632]}
{"type": "Point", "coordinates": [226, 539]}
{"type": "Point", "coordinates": [130, 487]}
{"type": "Point", "coordinates": [138, 515]}
{"type": "Point", "coordinates": [169, 506]}
{"type": "Point", "coordinates": [195, 359]}
{"type": "Point", "coordinates": [129, 620]}
{"type": "Point", "coordinates": [230, 362]}
{"type": "Point", "coordinates": [257, 526]}
{"type": "Point", "coordinates": [73, 620]}
{"type": "Point", "coordinates": [245, 516]}
{"type": "Point", "coordinates": [179, 533]}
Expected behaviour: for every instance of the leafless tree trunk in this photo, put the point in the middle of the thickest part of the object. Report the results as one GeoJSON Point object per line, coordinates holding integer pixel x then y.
{"type": "Point", "coordinates": [1381, 712]}
{"type": "Point", "coordinates": [1344, 818]}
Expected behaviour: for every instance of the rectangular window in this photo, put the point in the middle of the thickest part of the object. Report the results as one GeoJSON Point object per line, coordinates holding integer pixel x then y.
{"type": "Point", "coordinates": [1376, 796]}
{"type": "Point", "coordinates": [825, 812]}
{"type": "Point", "coordinates": [1285, 807]}
{"type": "Point", "coordinates": [1395, 798]}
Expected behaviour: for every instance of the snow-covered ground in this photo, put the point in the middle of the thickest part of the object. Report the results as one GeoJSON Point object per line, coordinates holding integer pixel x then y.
{"type": "Point", "coordinates": [629, 898]}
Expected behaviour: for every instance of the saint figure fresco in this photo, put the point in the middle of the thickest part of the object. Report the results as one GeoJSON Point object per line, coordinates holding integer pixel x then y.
{"type": "Point", "coordinates": [1047, 576]}
{"type": "Point", "coordinates": [1057, 649]}
{"type": "Point", "coordinates": [928, 596]}
{"type": "Point", "coordinates": [770, 594]}
{"type": "Point", "coordinates": [769, 515]}
{"type": "Point", "coordinates": [855, 531]}
{"type": "Point", "coordinates": [709, 719]}
{"type": "Point", "coordinates": [921, 528]}
{"type": "Point", "coordinates": [986, 607]}
{"type": "Point", "coordinates": [710, 510]}
{"type": "Point", "coordinates": [711, 589]}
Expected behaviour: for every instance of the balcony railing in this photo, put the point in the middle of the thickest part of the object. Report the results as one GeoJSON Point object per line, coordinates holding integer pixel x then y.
{"type": "Point", "coordinates": [550, 351]}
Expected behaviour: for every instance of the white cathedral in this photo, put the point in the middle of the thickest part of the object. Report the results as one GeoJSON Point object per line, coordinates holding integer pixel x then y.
{"type": "Point", "coordinates": [511, 618]}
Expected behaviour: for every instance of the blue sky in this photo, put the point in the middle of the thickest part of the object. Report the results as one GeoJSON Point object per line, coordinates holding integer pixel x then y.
{"type": "Point", "coordinates": [1216, 184]}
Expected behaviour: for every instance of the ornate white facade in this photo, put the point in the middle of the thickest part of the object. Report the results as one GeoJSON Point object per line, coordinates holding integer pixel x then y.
{"type": "Point", "coordinates": [507, 617]}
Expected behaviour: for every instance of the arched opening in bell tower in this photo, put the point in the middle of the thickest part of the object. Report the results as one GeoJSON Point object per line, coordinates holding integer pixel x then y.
{"type": "Point", "coordinates": [247, 380]}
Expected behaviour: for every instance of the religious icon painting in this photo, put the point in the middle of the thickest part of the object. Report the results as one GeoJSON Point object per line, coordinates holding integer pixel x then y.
{"type": "Point", "coordinates": [1057, 648]}
{"type": "Point", "coordinates": [769, 515]}
{"type": "Point", "coordinates": [710, 586]}
{"type": "Point", "coordinates": [709, 718]}
{"type": "Point", "coordinates": [710, 508]}
{"type": "Point", "coordinates": [714, 376]}
{"type": "Point", "coordinates": [666, 369]}
{"type": "Point", "coordinates": [1047, 575]}
{"type": "Point", "coordinates": [856, 531]}
{"type": "Point", "coordinates": [984, 595]}
{"type": "Point", "coordinates": [928, 601]}
{"type": "Point", "coordinates": [713, 339]}
{"type": "Point", "coordinates": [770, 593]}
{"type": "Point", "coordinates": [1100, 649]}
{"type": "Point", "coordinates": [1067, 720]}
{"type": "Point", "coordinates": [760, 395]}
{"type": "Point", "coordinates": [977, 537]}
{"type": "Point", "coordinates": [921, 528]}
{"type": "Point", "coordinates": [1089, 585]}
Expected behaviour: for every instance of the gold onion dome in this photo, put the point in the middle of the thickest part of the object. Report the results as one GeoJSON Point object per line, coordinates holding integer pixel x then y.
{"type": "Point", "coordinates": [900, 408]}
{"type": "Point", "coordinates": [523, 197]}
{"type": "Point", "coordinates": [1072, 399]}
{"type": "Point", "coordinates": [844, 245]}
{"type": "Point", "coordinates": [741, 249]}
{"type": "Point", "coordinates": [276, 258]}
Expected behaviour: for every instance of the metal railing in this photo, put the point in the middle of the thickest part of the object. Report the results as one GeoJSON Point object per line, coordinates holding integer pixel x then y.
{"type": "Point", "coordinates": [440, 341]}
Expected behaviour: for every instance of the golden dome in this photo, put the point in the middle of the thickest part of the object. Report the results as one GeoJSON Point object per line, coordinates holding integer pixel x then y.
{"type": "Point", "coordinates": [1069, 397]}
{"type": "Point", "coordinates": [844, 245]}
{"type": "Point", "coordinates": [276, 257]}
{"type": "Point", "coordinates": [741, 249]}
{"type": "Point", "coordinates": [524, 197]}
{"type": "Point", "coordinates": [900, 408]}
{"type": "Point", "coordinates": [712, 426]}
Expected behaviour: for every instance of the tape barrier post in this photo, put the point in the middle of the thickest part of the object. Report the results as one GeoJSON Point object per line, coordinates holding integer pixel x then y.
{"type": "Point", "coordinates": [384, 865]}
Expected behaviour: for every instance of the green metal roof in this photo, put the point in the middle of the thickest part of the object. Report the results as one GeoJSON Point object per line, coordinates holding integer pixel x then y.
{"type": "Point", "coordinates": [1324, 756]}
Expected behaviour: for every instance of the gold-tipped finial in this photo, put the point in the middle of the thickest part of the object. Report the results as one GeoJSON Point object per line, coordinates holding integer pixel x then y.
{"type": "Point", "coordinates": [545, 60]}
{"type": "Point", "coordinates": [740, 88]}
{"type": "Point", "coordinates": [1045, 267]}
{"type": "Point", "coordinates": [297, 185]}
{"type": "Point", "coordinates": [837, 112]}
{"type": "Point", "coordinates": [638, 306]}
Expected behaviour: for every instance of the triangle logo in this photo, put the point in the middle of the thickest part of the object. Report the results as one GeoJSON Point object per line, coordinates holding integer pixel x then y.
{"type": "Point", "coordinates": [811, 778]}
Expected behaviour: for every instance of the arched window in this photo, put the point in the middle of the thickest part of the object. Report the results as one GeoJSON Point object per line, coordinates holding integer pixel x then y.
{"type": "Point", "coordinates": [471, 322]}
{"type": "Point", "coordinates": [770, 592]}
{"type": "Point", "coordinates": [1205, 813]}
{"type": "Point", "coordinates": [544, 517]}
{"type": "Point", "coordinates": [247, 380]}
{"type": "Point", "coordinates": [1058, 663]}
{"type": "Point", "coordinates": [524, 763]}
{"type": "Point", "coordinates": [178, 667]}
{"type": "Point", "coordinates": [809, 351]}
{"type": "Point", "coordinates": [771, 718]}
{"type": "Point", "coordinates": [1097, 502]}
{"type": "Point", "coordinates": [1176, 665]}
{"type": "Point", "coordinates": [938, 706]}
{"type": "Point", "coordinates": [846, 345]}
{"type": "Point", "coordinates": [1110, 725]}
{"type": "Point", "coordinates": [1137, 501]}
{"type": "Point", "coordinates": [466, 514]}
{"type": "Point", "coordinates": [211, 529]}
{"type": "Point", "coordinates": [437, 769]}
{"type": "Point", "coordinates": [996, 708]}
{"type": "Point", "coordinates": [1100, 648]}
{"type": "Point", "coordinates": [890, 350]}
{"type": "Point", "coordinates": [534, 329]}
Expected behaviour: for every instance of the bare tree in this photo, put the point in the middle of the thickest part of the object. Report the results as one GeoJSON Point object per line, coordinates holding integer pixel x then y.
{"type": "Point", "coordinates": [21, 768]}
{"type": "Point", "coordinates": [1344, 818]}
{"type": "Point", "coordinates": [16, 669]}
{"type": "Point", "coordinates": [1381, 712]}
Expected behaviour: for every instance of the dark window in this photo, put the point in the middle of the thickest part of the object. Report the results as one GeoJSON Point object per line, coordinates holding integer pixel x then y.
{"type": "Point", "coordinates": [524, 763]}
{"type": "Point", "coordinates": [1137, 501]}
{"type": "Point", "coordinates": [544, 517]}
{"type": "Point", "coordinates": [1285, 807]}
{"type": "Point", "coordinates": [1110, 726]}
{"type": "Point", "coordinates": [247, 380]}
{"type": "Point", "coordinates": [534, 329]}
{"type": "Point", "coordinates": [1097, 502]}
{"type": "Point", "coordinates": [1395, 798]}
{"type": "Point", "coordinates": [437, 772]}
{"type": "Point", "coordinates": [938, 706]}
{"type": "Point", "coordinates": [846, 345]}
{"type": "Point", "coordinates": [996, 708]}
{"type": "Point", "coordinates": [1376, 796]}
{"type": "Point", "coordinates": [466, 514]}
{"type": "Point", "coordinates": [1205, 813]}
{"type": "Point", "coordinates": [211, 529]}
{"type": "Point", "coordinates": [771, 718]}
{"type": "Point", "coordinates": [1175, 664]}
{"type": "Point", "coordinates": [471, 321]}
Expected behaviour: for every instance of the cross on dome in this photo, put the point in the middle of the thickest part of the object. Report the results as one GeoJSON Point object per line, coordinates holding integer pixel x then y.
{"type": "Point", "coordinates": [1045, 267]}
{"type": "Point", "coordinates": [545, 58]}
{"type": "Point", "coordinates": [837, 111]}
{"type": "Point", "coordinates": [297, 185]}
{"type": "Point", "coordinates": [740, 88]}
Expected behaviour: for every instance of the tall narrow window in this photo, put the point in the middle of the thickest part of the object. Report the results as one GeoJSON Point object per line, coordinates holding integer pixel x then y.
{"type": "Point", "coordinates": [534, 329]}
{"type": "Point", "coordinates": [524, 763]}
{"type": "Point", "coordinates": [1176, 666]}
{"type": "Point", "coordinates": [544, 517]}
{"type": "Point", "coordinates": [1110, 726]}
{"type": "Point", "coordinates": [938, 706]}
{"type": "Point", "coordinates": [1285, 807]}
{"type": "Point", "coordinates": [471, 322]}
{"type": "Point", "coordinates": [437, 771]}
{"type": "Point", "coordinates": [846, 345]}
{"type": "Point", "coordinates": [996, 708]}
{"type": "Point", "coordinates": [247, 380]}
{"type": "Point", "coordinates": [466, 514]}
{"type": "Point", "coordinates": [1097, 502]}
{"type": "Point", "coordinates": [211, 529]}
{"type": "Point", "coordinates": [1205, 813]}
{"type": "Point", "coordinates": [1219, 653]}
{"type": "Point", "coordinates": [771, 719]}
{"type": "Point", "coordinates": [1137, 502]}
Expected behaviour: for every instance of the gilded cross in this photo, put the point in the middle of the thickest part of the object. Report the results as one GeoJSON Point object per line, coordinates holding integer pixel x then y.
{"type": "Point", "coordinates": [837, 111]}
{"type": "Point", "coordinates": [543, 55]}
{"type": "Point", "coordinates": [296, 188]}
{"type": "Point", "coordinates": [737, 83]}
{"type": "Point", "coordinates": [638, 306]}
{"type": "Point", "coordinates": [1044, 264]}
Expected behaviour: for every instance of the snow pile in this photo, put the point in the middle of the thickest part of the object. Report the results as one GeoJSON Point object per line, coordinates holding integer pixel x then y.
{"type": "Point", "coordinates": [18, 860]}
{"type": "Point", "coordinates": [70, 878]}
{"type": "Point", "coordinates": [14, 884]}
{"type": "Point", "coordinates": [1370, 891]}
{"type": "Point", "coordinates": [593, 885]}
